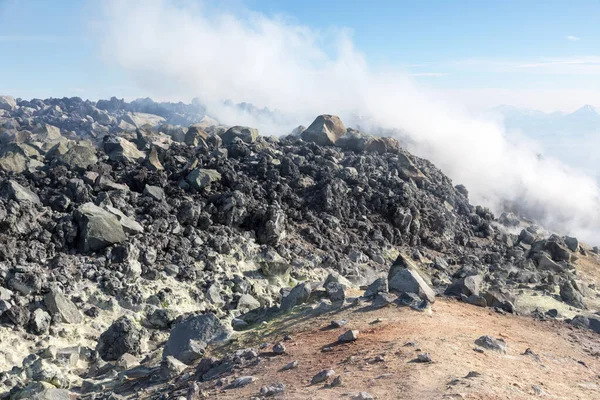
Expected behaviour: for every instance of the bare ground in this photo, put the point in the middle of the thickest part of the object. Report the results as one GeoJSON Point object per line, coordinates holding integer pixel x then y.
{"type": "Point", "coordinates": [563, 363]}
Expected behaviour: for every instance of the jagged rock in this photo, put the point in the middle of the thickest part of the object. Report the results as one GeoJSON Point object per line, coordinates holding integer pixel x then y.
{"type": "Point", "coordinates": [467, 286]}
{"type": "Point", "coordinates": [123, 336]}
{"type": "Point", "coordinates": [98, 228]}
{"type": "Point", "coordinates": [41, 370]}
{"type": "Point", "coordinates": [170, 368]}
{"type": "Point", "coordinates": [7, 103]}
{"type": "Point", "coordinates": [79, 157]}
{"type": "Point", "coordinates": [246, 134]}
{"type": "Point", "coordinates": [546, 264]}
{"type": "Point", "coordinates": [526, 237]}
{"type": "Point", "coordinates": [379, 285]}
{"type": "Point", "coordinates": [571, 295]}
{"type": "Point", "coordinates": [58, 304]}
{"type": "Point", "coordinates": [194, 136]}
{"type": "Point", "coordinates": [129, 225]}
{"type": "Point", "coordinates": [325, 130]}
{"type": "Point", "coordinates": [120, 149]}
{"type": "Point", "coordinates": [336, 291]}
{"type": "Point", "coordinates": [39, 321]}
{"type": "Point", "coordinates": [155, 192]}
{"type": "Point", "coordinates": [189, 338]}
{"type": "Point", "coordinates": [298, 295]}
{"type": "Point", "coordinates": [201, 178]}
{"type": "Point", "coordinates": [572, 243]}
{"type": "Point", "coordinates": [19, 193]}
{"type": "Point", "coordinates": [558, 252]}
{"type": "Point", "coordinates": [403, 279]}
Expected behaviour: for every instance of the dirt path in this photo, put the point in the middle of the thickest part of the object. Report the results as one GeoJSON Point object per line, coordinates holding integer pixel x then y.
{"type": "Point", "coordinates": [561, 365]}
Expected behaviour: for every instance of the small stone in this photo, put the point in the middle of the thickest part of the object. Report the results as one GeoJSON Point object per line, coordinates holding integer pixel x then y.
{"type": "Point", "coordinates": [338, 323]}
{"type": "Point", "coordinates": [272, 390]}
{"type": "Point", "coordinates": [292, 365]}
{"type": "Point", "coordinates": [348, 336]}
{"type": "Point", "coordinates": [241, 382]}
{"type": "Point", "coordinates": [279, 348]}
{"type": "Point", "coordinates": [363, 396]}
{"type": "Point", "coordinates": [337, 381]}
{"type": "Point", "coordinates": [322, 376]}
{"type": "Point", "coordinates": [490, 343]}
{"type": "Point", "coordinates": [424, 358]}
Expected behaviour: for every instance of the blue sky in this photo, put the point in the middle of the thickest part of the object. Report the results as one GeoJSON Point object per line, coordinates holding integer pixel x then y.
{"type": "Point", "coordinates": [540, 54]}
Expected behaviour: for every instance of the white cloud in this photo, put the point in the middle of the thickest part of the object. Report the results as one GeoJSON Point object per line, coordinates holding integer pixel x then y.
{"type": "Point", "coordinates": [176, 50]}
{"type": "Point", "coordinates": [573, 38]}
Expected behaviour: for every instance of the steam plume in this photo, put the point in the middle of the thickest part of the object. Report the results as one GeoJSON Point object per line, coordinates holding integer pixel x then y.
{"type": "Point", "coordinates": [183, 51]}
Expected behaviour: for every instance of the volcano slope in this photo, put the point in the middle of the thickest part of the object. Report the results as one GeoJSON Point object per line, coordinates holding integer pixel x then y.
{"type": "Point", "coordinates": [143, 259]}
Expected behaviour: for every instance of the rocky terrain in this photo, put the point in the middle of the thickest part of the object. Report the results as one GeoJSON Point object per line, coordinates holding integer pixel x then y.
{"type": "Point", "coordinates": [147, 251]}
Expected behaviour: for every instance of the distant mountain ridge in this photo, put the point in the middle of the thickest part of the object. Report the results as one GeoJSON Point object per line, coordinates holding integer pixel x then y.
{"type": "Point", "coordinates": [583, 121]}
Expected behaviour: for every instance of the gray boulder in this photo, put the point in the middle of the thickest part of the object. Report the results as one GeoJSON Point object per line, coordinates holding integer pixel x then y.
{"type": "Point", "coordinates": [570, 294]}
{"type": "Point", "coordinates": [79, 157]}
{"type": "Point", "coordinates": [572, 243]}
{"type": "Point", "coordinates": [201, 178]}
{"type": "Point", "coordinates": [98, 228]}
{"type": "Point", "coordinates": [403, 277]}
{"type": "Point", "coordinates": [247, 134]}
{"type": "Point", "coordinates": [19, 193]}
{"type": "Point", "coordinates": [587, 322]}
{"type": "Point", "coordinates": [467, 286]}
{"type": "Point", "coordinates": [298, 295]}
{"type": "Point", "coordinates": [120, 149]}
{"type": "Point", "coordinates": [58, 304]}
{"type": "Point", "coordinates": [7, 103]}
{"type": "Point", "coordinates": [123, 336]}
{"type": "Point", "coordinates": [189, 338]}
{"type": "Point", "coordinates": [155, 192]}
{"type": "Point", "coordinates": [379, 285]}
{"type": "Point", "coordinates": [325, 130]}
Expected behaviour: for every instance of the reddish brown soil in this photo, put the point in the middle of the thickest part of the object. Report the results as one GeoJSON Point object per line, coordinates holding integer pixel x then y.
{"type": "Point", "coordinates": [563, 366]}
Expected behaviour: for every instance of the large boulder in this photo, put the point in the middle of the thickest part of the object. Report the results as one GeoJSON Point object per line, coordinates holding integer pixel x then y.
{"type": "Point", "coordinates": [19, 193]}
{"type": "Point", "coordinates": [404, 277]}
{"type": "Point", "coordinates": [245, 133]}
{"type": "Point", "coordinates": [325, 130]}
{"type": "Point", "coordinates": [201, 178]}
{"type": "Point", "coordinates": [59, 305]}
{"type": "Point", "coordinates": [588, 322]}
{"type": "Point", "coordinates": [194, 136]}
{"type": "Point", "coordinates": [298, 295]}
{"type": "Point", "coordinates": [119, 149]}
{"type": "Point", "coordinates": [123, 336]}
{"type": "Point", "coordinates": [98, 228]}
{"type": "Point", "coordinates": [139, 119]}
{"type": "Point", "coordinates": [467, 286]}
{"type": "Point", "coordinates": [189, 338]}
{"type": "Point", "coordinates": [7, 103]}
{"type": "Point", "coordinates": [570, 294]}
{"type": "Point", "coordinates": [79, 157]}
